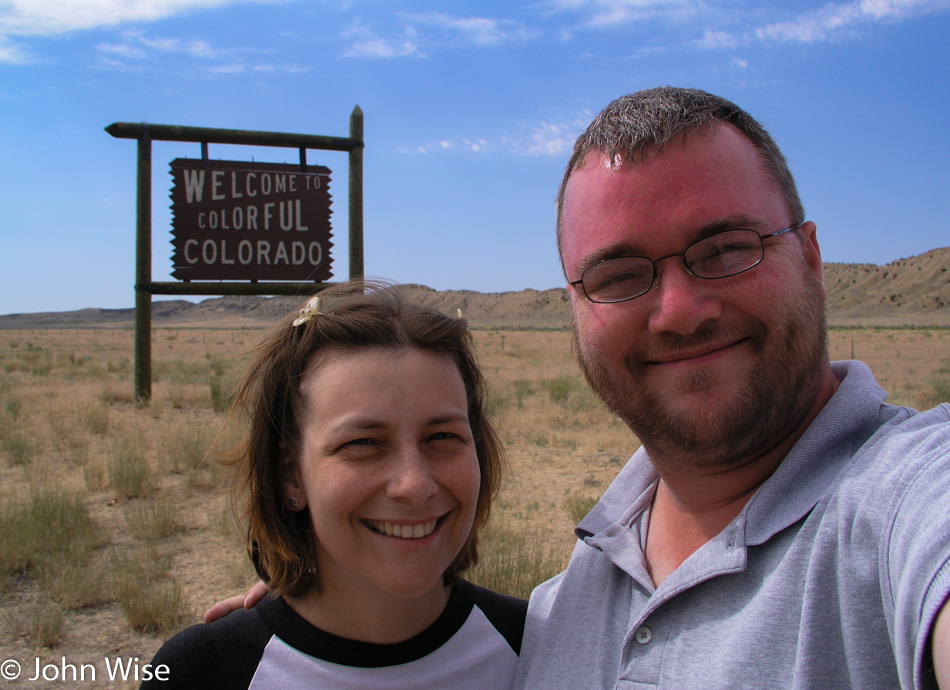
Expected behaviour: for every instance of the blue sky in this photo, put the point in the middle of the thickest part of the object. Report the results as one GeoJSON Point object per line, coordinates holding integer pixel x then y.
{"type": "Point", "coordinates": [470, 111]}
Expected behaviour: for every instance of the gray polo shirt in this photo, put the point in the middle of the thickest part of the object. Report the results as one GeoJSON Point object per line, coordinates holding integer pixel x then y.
{"type": "Point", "coordinates": [831, 576]}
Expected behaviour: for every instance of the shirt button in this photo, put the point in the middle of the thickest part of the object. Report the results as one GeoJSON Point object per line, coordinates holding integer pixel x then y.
{"type": "Point", "coordinates": [644, 634]}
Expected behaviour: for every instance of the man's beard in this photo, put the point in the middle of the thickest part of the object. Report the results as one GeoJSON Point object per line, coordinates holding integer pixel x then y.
{"type": "Point", "coordinates": [778, 394]}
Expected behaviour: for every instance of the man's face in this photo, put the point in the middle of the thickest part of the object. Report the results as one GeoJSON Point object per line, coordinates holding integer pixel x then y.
{"type": "Point", "coordinates": [716, 370]}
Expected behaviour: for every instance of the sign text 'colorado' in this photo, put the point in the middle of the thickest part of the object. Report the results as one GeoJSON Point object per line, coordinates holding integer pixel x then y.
{"type": "Point", "coordinates": [250, 221]}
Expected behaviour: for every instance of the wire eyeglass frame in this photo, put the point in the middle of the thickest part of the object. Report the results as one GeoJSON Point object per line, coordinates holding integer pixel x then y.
{"type": "Point", "coordinates": [722, 255]}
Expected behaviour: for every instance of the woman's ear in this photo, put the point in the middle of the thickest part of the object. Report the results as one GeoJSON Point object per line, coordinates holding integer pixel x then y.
{"type": "Point", "coordinates": [291, 488]}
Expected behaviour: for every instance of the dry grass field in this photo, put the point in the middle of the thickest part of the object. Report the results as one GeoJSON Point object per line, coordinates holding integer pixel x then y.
{"type": "Point", "coordinates": [116, 528]}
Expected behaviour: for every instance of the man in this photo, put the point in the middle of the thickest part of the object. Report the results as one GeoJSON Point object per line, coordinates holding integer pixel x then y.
{"type": "Point", "coordinates": [780, 527]}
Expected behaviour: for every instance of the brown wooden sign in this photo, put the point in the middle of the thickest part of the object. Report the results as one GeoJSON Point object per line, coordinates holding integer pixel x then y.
{"type": "Point", "coordinates": [235, 220]}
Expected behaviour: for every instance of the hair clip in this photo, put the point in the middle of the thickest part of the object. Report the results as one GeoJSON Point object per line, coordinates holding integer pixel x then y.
{"type": "Point", "coordinates": [308, 312]}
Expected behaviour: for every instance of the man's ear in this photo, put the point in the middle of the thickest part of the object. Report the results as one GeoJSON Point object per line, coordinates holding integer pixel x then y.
{"type": "Point", "coordinates": [291, 487]}
{"type": "Point", "coordinates": [809, 233]}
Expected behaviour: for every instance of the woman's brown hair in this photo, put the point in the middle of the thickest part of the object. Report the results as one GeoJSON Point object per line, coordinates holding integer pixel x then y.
{"type": "Point", "coordinates": [348, 317]}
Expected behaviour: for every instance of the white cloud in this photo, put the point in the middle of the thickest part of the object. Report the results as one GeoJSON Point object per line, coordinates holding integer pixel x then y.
{"type": "Point", "coordinates": [135, 48]}
{"type": "Point", "coordinates": [476, 146]}
{"type": "Point", "coordinates": [834, 20]}
{"type": "Point", "coordinates": [418, 33]}
{"type": "Point", "coordinates": [52, 17]}
{"type": "Point", "coordinates": [195, 48]}
{"type": "Point", "coordinates": [542, 139]}
{"type": "Point", "coordinates": [124, 51]}
{"type": "Point", "coordinates": [714, 18]}
{"type": "Point", "coordinates": [11, 54]}
{"type": "Point", "coordinates": [49, 17]}
{"type": "Point", "coordinates": [382, 48]}
{"type": "Point", "coordinates": [602, 14]}
{"type": "Point", "coordinates": [477, 30]}
{"type": "Point", "coordinates": [368, 44]}
{"type": "Point", "coordinates": [136, 45]}
{"type": "Point", "coordinates": [234, 68]}
{"type": "Point", "coordinates": [715, 40]}
{"type": "Point", "coordinates": [282, 69]}
{"type": "Point", "coordinates": [812, 26]}
{"type": "Point", "coordinates": [546, 139]}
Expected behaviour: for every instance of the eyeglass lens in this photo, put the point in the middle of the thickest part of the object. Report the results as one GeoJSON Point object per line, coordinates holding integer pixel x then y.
{"type": "Point", "coordinates": [718, 256]}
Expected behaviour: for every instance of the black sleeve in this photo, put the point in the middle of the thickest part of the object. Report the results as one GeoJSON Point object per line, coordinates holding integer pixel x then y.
{"type": "Point", "coordinates": [223, 654]}
{"type": "Point", "coordinates": [506, 613]}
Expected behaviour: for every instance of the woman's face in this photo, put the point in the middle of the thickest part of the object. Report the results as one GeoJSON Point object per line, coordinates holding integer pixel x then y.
{"type": "Point", "coordinates": [388, 470]}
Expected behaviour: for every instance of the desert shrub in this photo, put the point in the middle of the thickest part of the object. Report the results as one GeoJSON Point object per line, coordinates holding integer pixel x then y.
{"type": "Point", "coordinates": [73, 585]}
{"type": "Point", "coordinates": [578, 505]}
{"type": "Point", "coordinates": [218, 365]}
{"type": "Point", "coordinates": [565, 442]}
{"type": "Point", "coordinates": [179, 371]}
{"type": "Point", "coordinates": [66, 360]}
{"type": "Point", "coordinates": [559, 389]}
{"type": "Point", "coordinates": [228, 524]}
{"type": "Point", "coordinates": [38, 362]}
{"type": "Point", "coordinates": [570, 393]}
{"type": "Point", "coordinates": [153, 520]}
{"type": "Point", "coordinates": [496, 404]}
{"type": "Point", "coordinates": [941, 383]}
{"type": "Point", "coordinates": [94, 475]}
{"type": "Point", "coordinates": [52, 526]}
{"type": "Point", "coordinates": [14, 408]}
{"type": "Point", "coordinates": [184, 446]}
{"type": "Point", "coordinates": [176, 395]}
{"type": "Point", "coordinates": [151, 600]}
{"type": "Point", "coordinates": [521, 389]}
{"type": "Point", "coordinates": [95, 418]}
{"type": "Point", "coordinates": [538, 439]}
{"type": "Point", "coordinates": [40, 622]}
{"type": "Point", "coordinates": [120, 365]}
{"type": "Point", "coordinates": [18, 446]}
{"type": "Point", "coordinates": [113, 394]}
{"type": "Point", "coordinates": [941, 388]}
{"type": "Point", "coordinates": [128, 469]}
{"type": "Point", "coordinates": [78, 449]}
{"type": "Point", "coordinates": [513, 563]}
{"type": "Point", "coordinates": [222, 392]}
{"type": "Point", "coordinates": [94, 370]}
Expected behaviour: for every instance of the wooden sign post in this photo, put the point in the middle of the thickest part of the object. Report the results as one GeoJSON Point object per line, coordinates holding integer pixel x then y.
{"type": "Point", "coordinates": [240, 221]}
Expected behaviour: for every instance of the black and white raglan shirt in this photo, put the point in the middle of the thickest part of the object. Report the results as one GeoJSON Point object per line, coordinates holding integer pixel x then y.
{"type": "Point", "coordinates": [474, 644]}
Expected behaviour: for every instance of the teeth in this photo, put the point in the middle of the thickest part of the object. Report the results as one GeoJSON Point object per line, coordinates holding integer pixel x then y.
{"type": "Point", "coordinates": [404, 531]}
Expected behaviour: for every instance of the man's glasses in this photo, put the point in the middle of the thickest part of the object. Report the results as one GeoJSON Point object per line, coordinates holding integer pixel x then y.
{"type": "Point", "coordinates": [721, 255]}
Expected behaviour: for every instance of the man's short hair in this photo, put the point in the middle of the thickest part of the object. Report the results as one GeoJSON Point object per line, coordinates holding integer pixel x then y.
{"type": "Point", "coordinates": [643, 122]}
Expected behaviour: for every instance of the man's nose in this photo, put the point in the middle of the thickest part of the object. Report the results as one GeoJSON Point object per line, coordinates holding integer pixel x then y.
{"type": "Point", "coordinates": [680, 301]}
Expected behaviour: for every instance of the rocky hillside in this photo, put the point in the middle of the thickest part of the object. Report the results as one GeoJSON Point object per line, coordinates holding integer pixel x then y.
{"type": "Point", "coordinates": [914, 291]}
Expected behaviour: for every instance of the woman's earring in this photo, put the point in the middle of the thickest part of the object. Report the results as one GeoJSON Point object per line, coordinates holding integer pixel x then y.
{"type": "Point", "coordinates": [293, 503]}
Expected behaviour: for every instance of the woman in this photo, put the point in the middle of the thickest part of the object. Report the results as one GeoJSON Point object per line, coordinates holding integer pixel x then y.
{"type": "Point", "coordinates": [368, 471]}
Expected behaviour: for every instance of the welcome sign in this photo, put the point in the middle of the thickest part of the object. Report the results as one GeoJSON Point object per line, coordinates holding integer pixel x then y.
{"type": "Point", "coordinates": [234, 220]}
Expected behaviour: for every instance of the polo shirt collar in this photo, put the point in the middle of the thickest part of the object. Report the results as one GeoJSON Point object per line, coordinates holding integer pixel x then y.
{"type": "Point", "coordinates": [824, 450]}
{"type": "Point", "coordinates": [846, 421]}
